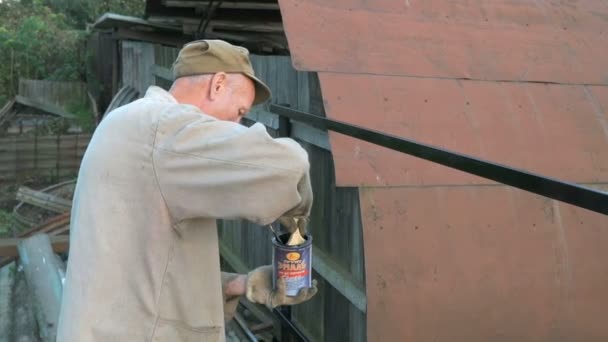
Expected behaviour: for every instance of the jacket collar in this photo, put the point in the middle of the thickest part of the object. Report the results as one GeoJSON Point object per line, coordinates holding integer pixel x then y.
{"type": "Point", "coordinates": [159, 94]}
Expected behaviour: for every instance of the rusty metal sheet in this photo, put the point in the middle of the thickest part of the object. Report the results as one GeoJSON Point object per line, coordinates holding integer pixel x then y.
{"type": "Point", "coordinates": [483, 263]}
{"type": "Point", "coordinates": [449, 256]}
{"type": "Point", "coordinates": [548, 41]}
{"type": "Point", "coordinates": [556, 130]}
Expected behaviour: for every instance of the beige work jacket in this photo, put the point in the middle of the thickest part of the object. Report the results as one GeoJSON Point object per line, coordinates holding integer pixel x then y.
{"type": "Point", "coordinates": [144, 261]}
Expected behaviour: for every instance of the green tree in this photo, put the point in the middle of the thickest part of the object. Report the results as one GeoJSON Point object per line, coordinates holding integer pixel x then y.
{"type": "Point", "coordinates": [45, 39]}
{"type": "Point", "coordinates": [87, 11]}
{"type": "Point", "coordinates": [38, 43]}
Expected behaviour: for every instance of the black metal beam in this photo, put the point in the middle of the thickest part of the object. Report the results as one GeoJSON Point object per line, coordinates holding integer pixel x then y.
{"type": "Point", "coordinates": [574, 194]}
{"type": "Point", "coordinates": [288, 326]}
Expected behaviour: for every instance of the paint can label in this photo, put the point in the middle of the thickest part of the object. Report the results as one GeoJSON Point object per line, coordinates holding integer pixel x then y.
{"type": "Point", "coordinates": [293, 263]}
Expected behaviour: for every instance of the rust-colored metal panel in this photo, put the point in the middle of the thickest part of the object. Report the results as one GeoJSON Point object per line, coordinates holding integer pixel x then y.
{"type": "Point", "coordinates": [549, 41]}
{"type": "Point", "coordinates": [556, 130]}
{"type": "Point", "coordinates": [484, 263]}
{"type": "Point", "coordinates": [449, 256]}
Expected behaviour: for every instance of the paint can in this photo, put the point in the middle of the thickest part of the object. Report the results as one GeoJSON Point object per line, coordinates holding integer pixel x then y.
{"type": "Point", "coordinates": [294, 263]}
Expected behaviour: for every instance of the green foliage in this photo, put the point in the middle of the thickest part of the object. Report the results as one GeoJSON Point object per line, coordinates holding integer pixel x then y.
{"type": "Point", "coordinates": [36, 43]}
{"type": "Point", "coordinates": [45, 39]}
{"type": "Point", "coordinates": [87, 11]}
{"type": "Point", "coordinates": [84, 115]}
{"type": "Point", "coordinates": [7, 222]}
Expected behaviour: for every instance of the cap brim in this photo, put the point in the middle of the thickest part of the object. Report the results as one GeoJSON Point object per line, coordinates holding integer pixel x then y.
{"type": "Point", "coordinates": [262, 92]}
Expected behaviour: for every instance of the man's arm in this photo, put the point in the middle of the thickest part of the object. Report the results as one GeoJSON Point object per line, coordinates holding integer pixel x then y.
{"type": "Point", "coordinates": [233, 284]}
{"type": "Point", "coordinates": [218, 169]}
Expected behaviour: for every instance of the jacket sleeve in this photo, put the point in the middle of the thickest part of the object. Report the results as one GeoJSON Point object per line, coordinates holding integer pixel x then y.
{"type": "Point", "coordinates": [217, 169]}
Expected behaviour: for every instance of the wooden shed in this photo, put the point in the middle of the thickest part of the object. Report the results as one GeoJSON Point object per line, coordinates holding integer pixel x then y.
{"type": "Point", "coordinates": [406, 249]}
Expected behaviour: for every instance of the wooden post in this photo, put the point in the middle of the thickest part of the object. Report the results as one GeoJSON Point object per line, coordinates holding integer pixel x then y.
{"type": "Point", "coordinates": [284, 129]}
{"type": "Point", "coordinates": [44, 272]}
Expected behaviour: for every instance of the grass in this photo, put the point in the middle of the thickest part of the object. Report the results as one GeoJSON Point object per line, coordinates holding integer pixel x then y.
{"type": "Point", "coordinates": [84, 115]}
{"type": "Point", "coordinates": [7, 222]}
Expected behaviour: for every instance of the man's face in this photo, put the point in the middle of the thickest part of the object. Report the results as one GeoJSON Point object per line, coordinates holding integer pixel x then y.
{"type": "Point", "coordinates": [231, 96]}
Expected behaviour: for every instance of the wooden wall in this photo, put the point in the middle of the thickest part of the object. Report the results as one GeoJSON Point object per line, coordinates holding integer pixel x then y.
{"type": "Point", "coordinates": [50, 155]}
{"type": "Point", "coordinates": [58, 93]}
{"type": "Point", "coordinates": [137, 61]}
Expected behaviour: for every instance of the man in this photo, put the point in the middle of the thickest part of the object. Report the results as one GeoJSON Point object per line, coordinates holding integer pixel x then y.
{"type": "Point", "coordinates": [144, 259]}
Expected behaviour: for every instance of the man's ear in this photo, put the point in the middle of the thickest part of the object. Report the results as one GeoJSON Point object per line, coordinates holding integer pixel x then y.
{"type": "Point", "coordinates": [218, 85]}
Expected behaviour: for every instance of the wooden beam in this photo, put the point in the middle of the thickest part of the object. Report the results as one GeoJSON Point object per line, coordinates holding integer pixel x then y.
{"type": "Point", "coordinates": [51, 225]}
{"type": "Point", "coordinates": [191, 25]}
{"type": "Point", "coordinates": [254, 41]}
{"type": "Point", "coordinates": [112, 20]}
{"type": "Point", "coordinates": [298, 130]}
{"type": "Point", "coordinates": [339, 278]}
{"type": "Point", "coordinates": [268, 119]}
{"type": "Point", "coordinates": [162, 72]}
{"type": "Point", "coordinates": [251, 5]}
{"type": "Point", "coordinates": [8, 246]}
{"type": "Point", "coordinates": [43, 200]}
{"type": "Point", "coordinates": [310, 135]}
{"type": "Point", "coordinates": [169, 39]}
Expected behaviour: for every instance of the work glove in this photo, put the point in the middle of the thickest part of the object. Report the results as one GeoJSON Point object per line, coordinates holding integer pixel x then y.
{"type": "Point", "coordinates": [259, 289]}
{"type": "Point", "coordinates": [297, 217]}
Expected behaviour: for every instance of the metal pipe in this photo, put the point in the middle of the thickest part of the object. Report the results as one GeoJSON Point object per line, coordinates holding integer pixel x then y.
{"type": "Point", "coordinates": [552, 188]}
{"type": "Point", "coordinates": [241, 322]}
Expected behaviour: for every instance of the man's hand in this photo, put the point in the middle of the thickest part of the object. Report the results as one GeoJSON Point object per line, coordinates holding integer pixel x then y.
{"type": "Point", "coordinates": [259, 289]}
{"type": "Point", "coordinates": [233, 287]}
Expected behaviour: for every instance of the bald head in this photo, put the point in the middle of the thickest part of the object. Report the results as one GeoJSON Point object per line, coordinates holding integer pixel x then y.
{"type": "Point", "coordinates": [225, 96]}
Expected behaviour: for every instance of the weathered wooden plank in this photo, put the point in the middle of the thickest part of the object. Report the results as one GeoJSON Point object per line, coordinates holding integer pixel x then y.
{"type": "Point", "coordinates": [151, 37]}
{"type": "Point", "coordinates": [8, 246]}
{"type": "Point", "coordinates": [43, 200]}
{"type": "Point", "coordinates": [229, 4]}
{"type": "Point", "coordinates": [43, 106]}
{"type": "Point", "coordinates": [49, 225]}
{"type": "Point", "coordinates": [162, 72]}
{"type": "Point", "coordinates": [191, 25]}
{"type": "Point", "coordinates": [310, 135]}
{"type": "Point", "coordinates": [58, 93]}
{"type": "Point", "coordinates": [113, 20]}
{"type": "Point", "coordinates": [137, 61]}
{"type": "Point", "coordinates": [41, 138]}
{"type": "Point", "coordinates": [261, 115]}
{"type": "Point", "coordinates": [339, 278]}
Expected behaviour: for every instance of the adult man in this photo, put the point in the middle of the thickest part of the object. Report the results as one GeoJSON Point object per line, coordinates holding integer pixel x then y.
{"type": "Point", "coordinates": [144, 260]}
